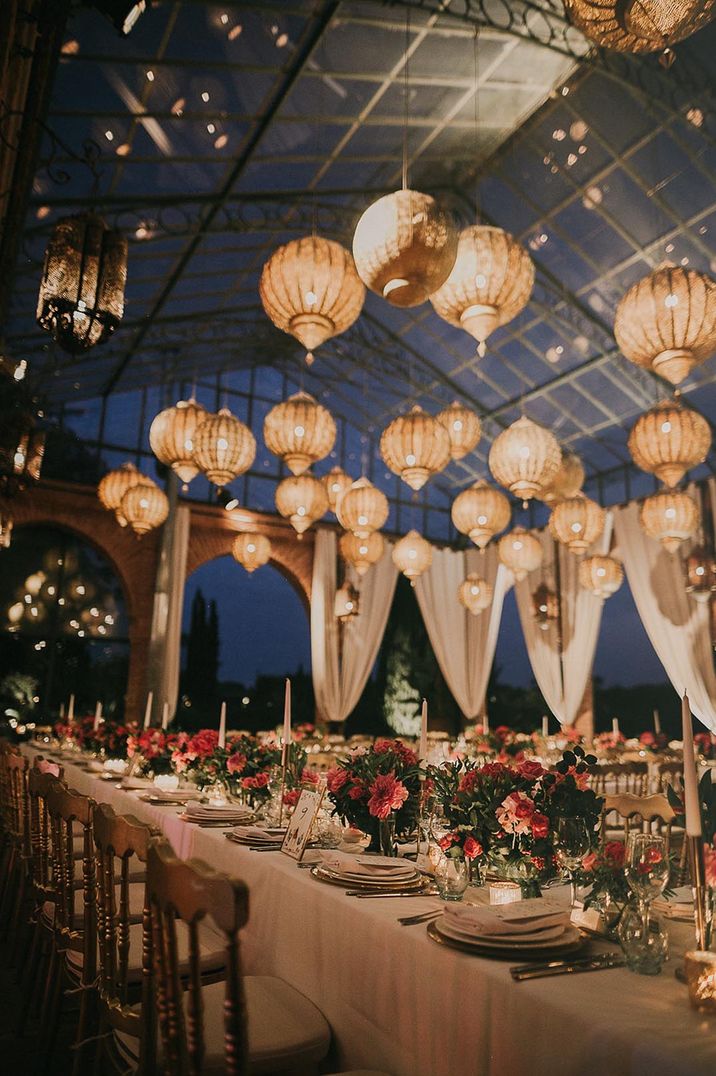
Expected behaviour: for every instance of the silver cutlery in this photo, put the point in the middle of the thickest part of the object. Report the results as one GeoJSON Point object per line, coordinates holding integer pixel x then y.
{"type": "Point", "coordinates": [424, 917]}
{"type": "Point", "coordinates": [602, 962]}
{"type": "Point", "coordinates": [361, 894]}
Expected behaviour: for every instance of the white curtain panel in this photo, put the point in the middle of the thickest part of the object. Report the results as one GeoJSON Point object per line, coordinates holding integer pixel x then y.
{"type": "Point", "coordinates": [165, 641]}
{"type": "Point", "coordinates": [562, 677]}
{"type": "Point", "coordinates": [339, 678]}
{"type": "Point", "coordinates": [464, 645]}
{"type": "Point", "coordinates": [677, 625]}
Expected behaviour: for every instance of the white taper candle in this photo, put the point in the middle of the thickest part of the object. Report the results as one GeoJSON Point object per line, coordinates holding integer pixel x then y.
{"type": "Point", "coordinates": [97, 716]}
{"type": "Point", "coordinates": [545, 727]}
{"type": "Point", "coordinates": [657, 723]}
{"type": "Point", "coordinates": [286, 719]}
{"type": "Point", "coordinates": [71, 710]}
{"type": "Point", "coordinates": [165, 716]}
{"type": "Point", "coordinates": [148, 710]}
{"type": "Point", "coordinates": [615, 726]}
{"type": "Point", "coordinates": [222, 726]}
{"type": "Point", "coordinates": [423, 752]}
{"type": "Point", "coordinates": [691, 785]}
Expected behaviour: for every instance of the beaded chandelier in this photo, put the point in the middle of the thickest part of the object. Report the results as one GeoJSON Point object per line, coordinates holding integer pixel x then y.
{"type": "Point", "coordinates": [251, 550]}
{"type": "Point", "coordinates": [224, 448]}
{"type": "Point", "coordinates": [670, 517]}
{"type": "Point", "coordinates": [475, 593]}
{"type": "Point", "coordinates": [577, 523]}
{"type": "Point", "coordinates": [639, 25]}
{"type": "Point", "coordinates": [490, 282]}
{"type": "Point", "coordinates": [81, 299]}
{"type": "Point", "coordinates": [668, 440]}
{"type": "Point", "coordinates": [412, 555]}
{"type": "Point", "coordinates": [415, 447]}
{"type": "Point", "coordinates": [601, 576]}
{"type": "Point", "coordinates": [520, 551]}
{"type": "Point", "coordinates": [404, 247]}
{"type": "Point", "coordinates": [300, 431]}
{"type": "Point", "coordinates": [463, 427]}
{"type": "Point", "coordinates": [524, 458]}
{"type": "Point", "coordinates": [301, 499]}
{"type": "Point", "coordinates": [361, 553]}
{"type": "Point", "coordinates": [480, 512]}
{"type": "Point", "coordinates": [172, 437]}
{"type": "Point", "coordinates": [362, 508]}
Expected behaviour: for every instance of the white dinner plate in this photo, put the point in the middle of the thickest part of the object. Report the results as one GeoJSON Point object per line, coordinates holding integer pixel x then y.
{"type": "Point", "coordinates": [534, 937]}
{"type": "Point", "coordinates": [568, 936]}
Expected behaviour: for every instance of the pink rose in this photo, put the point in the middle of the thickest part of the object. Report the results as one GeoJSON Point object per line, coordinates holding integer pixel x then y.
{"type": "Point", "coordinates": [387, 794]}
{"type": "Point", "coordinates": [446, 841]}
{"type": "Point", "coordinates": [515, 813]}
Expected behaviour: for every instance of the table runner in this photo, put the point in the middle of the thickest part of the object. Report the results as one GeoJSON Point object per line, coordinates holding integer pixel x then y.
{"type": "Point", "coordinates": [397, 1001]}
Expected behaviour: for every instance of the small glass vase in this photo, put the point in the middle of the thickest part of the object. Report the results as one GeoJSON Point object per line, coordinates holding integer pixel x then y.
{"type": "Point", "coordinates": [452, 877]}
{"type": "Point", "coordinates": [644, 940]}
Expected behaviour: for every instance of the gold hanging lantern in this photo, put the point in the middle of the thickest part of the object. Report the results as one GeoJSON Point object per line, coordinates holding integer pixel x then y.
{"type": "Point", "coordinates": [668, 440]}
{"type": "Point", "coordinates": [336, 483]}
{"type": "Point", "coordinates": [310, 289]}
{"type": "Point", "coordinates": [601, 576]}
{"type": "Point", "coordinates": [415, 446]}
{"type": "Point", "coordinates": [113, 487]}
{"type": "Point", "coordinates": [301, 499]}
{"type": "Point", "coordinates": [524, 458]}
{"type": "Point", "coordinates": [144, 506]}
{"type": "Point", "coordinates": [639, 26]}
{"type": "Point", "coordinates": [412, 555]}
{"type": "Point", "coordinates": [545, 607]}
{"type": "Point", "coordinates": [251, 550]}
{"type": "Point", "coordinates": [671, 517]}
{"type": "Point", "coordinates": [81, 299]}
{"type": "Point", "coordinates": [666, 322]}
{"type": "Point", "coordinates": [173, 435]}
{"type": "Point", "coordinates": [475, 593]}
{"type": "Point", "coordinates": [404, 247]}
{"type": "Point", "coordinates": [224, 448]}
{"type": "Point", "coordinates": [701, 574]}
{"type": "Point", "coordinates": [480, 512]}
{"type": "Point", "coordinates": [347, 602]}
{"type": "Point", "coordinates": [568, 480]}
{"type": "Point", "coordinates": [300, 431]}
{"type": "Point", "coordinates": [463, 427]}
{"type": "Point", "coordinates": [490, 282]}
{"type": "Point", "coordinates": [520, 551]}
{"type": "Point", "coordinates": [577, 523]}
{"type": "Point", "coordinates": [361, 553]}
{"type": "Point", "coordinates": [362, 508]}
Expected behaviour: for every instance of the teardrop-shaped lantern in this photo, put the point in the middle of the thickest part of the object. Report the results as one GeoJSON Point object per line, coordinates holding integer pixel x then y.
{"type": "Point", "coordinates": [301, 499]}
{"type": "Point", "coordinates": [490, 282]}
{"type": "Point", "coordinates": [225, 448]}
{"type": "Point", "coordinates": [671, 517]}
{"type": "Point", "coordinates": [172, 437]}
{"type": "Point", "coordinates": [144, 506]}
{"type": "Point", "coordinates": [412, 555]}
{"type": "Point", "coordinates": [520, 551]}
{"type": "Point", "coordinates": [480, 512]}
{"type": "Point", "coordinates": [362, 553]}
{"type": "Point", "coordinates": [81, 299]}
{"type": "Point", "coordinates": [300, 431]}
{"type": "Point", "coordinates": [577, 523]}
{"type": "Point", "coordinates": [336, 483]}
{"type": "Point", "coordinates": [310, 289]}
{"type": "Point", "coordinates": [668, 440]}
{"type": "Point", "coordinates": [463, 427]}
{"type": "Point", "coordinates": [415, 446]}
{"type": "Point", "coordinates": [524, 458]}
{"type": "Point", "coordinates": [601, 576]}
{"type": "Point", "coordinates": [251, 550]}
{"type": "Point", "coordinates": [568, 480]}
{"type": "Point", "coordinates": [404, 247]}
{"type": "Point", "coordinates": [666, 322]}
{"type": "Point", "coordinates": [701, 574]}
{"type": "Point", "coordinates": [113, 487]}
{"type": "Point", "coordinates": [475, 593]}
{"type": "Point", "coordinates": [362, 508]}
{"type": "Point", "coordinates": [639, 26]}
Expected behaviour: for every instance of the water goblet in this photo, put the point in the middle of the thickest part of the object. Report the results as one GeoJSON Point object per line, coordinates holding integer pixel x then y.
{"type": "Point", "coordinates": [573, 839]}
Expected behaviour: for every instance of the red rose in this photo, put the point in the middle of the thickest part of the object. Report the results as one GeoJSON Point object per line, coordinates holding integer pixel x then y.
{"type": "Point", "coordinates": [540, 825]}
{"type": "Point", "coordinates": [290, 798]}
{"type": "Point", "coordinates": [261, 780]}
{"type": "Point", "coordinates": [472, 848]}
{"type": "Point", "coordinates": [356, 791]}
{"type": "Point", "coordinates": [531, 769]}
{"type": "Point", "coordinates": [614, 852]}
{"type": "Point", "coordinates": [446, 841]}
{"type": "Point", "coordinates": [589, 861]}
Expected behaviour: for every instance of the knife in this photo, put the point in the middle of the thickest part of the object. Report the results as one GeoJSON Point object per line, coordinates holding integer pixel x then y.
{"type": "Point", "coordinates": [362, 895]}
{"type": "Point", "coordinates": [567, 967]}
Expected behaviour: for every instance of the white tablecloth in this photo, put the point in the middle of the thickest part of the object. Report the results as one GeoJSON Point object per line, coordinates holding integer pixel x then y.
{"type": "Point", "coordinates": [397, 1001]}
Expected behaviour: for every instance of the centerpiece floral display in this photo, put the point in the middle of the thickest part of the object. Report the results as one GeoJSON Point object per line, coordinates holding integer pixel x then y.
{"type": "Point", "coordinates": [153, 750]}
{"type": "Point", "coordinates": [377, 790]}
{"type": "Point", "coordinates": [656, 742]}
{"type": "Point", "coordinates": [609, 741]}
{"type": "Point", "coordinates": [603, 871]}
{"type": "Point", "coordinates": [109, 739]}
{"type": "Point", "coordinates": [503, 816]}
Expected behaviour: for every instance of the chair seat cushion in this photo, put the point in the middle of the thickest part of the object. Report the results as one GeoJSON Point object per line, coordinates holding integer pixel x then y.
{"type": "Point", "coordinates": [286, 1030]}
{"type": "Point", "coordinates": [212, 950]}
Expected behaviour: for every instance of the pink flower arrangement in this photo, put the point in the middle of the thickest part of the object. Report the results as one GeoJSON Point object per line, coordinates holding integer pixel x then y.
{"type": "Point", "coordinates": [515, 813]}
{"type": "Point", "coordinates": [375, 785]}
{"type": "Point", "coordinates": [387, 794]}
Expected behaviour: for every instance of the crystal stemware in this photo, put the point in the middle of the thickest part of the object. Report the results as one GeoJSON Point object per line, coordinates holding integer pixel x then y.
{"type": "Point", "coordinates": [573, 839]}
{"type": "Point", "coordinates": [647, 869]}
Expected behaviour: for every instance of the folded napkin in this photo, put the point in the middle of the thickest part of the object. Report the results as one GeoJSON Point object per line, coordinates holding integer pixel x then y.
{"type": "Point", "coordinates": [257, 833]}
{"type": "Point", "coordinates": [369, 866]}
{"type": "Point", "coordinates": [522, 917]}
{"type": "Point", "coordinates": [230, 812]}
{"type": "Point", "coordinates": [181, 795]}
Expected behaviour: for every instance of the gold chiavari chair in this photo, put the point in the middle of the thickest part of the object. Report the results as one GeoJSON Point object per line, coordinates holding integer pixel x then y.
{"type": "Point", "coordinates": [648, 813]}
{"type": "Point", "coordinates": [253, 1024]}
{"type": "Point", "coordinates": [615, 778]}
{"type": "Point", "coordinates": [670, 774]}
{"type": "Point", "coordinates": [17, 822]}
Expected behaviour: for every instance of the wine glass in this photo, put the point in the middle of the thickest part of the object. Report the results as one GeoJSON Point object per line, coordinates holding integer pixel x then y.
{"type": "Point", "coordinates": [647, 869]}
{"type": "Point", "coordinates": [573, 839]}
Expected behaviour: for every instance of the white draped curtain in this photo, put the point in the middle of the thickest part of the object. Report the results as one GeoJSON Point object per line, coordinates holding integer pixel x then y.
{"type": "Point", "coordinates": [464, 645]}
{"type": "Point", "coordinates": [341, 666]}
{"type": "Point", "coordinates": [562, 673]}
{"type": "Point", "coordinates": [677, 625]}
{"type": "Point", "coordinates": [165, 640]}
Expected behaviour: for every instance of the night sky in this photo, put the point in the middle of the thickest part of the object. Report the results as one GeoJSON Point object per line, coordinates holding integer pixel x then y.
{"type": "Point", "coordinates": [264, 629]}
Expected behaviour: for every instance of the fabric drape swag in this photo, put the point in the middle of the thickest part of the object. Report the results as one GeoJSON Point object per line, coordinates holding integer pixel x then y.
{"type": "Point", "coordinates": [562, 673]}
{"type": "Point", "coordinates": [165, 641]}
{"type": "Point", "coordinates": [678, 627]}
{"type": "Point", "coordinates": [341, 667]}
{"type": "Point", "coordinates": [464, 645]}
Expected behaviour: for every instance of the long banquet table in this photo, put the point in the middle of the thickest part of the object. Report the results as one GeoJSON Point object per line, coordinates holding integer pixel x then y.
{"type": "Point", "coordinates": [397, 1001]}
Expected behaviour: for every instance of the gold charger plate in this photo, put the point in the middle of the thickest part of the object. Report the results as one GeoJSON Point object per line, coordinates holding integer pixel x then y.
{"type": "Point", "coordinates": [555, 952]}
{"type": "Point", "coordinates": [321, 874]}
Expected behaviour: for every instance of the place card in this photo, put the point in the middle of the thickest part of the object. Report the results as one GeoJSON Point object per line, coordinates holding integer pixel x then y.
{"type": "Point", "coordinates": [299, 828]}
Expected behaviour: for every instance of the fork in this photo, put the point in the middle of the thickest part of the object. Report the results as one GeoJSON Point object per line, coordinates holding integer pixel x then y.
{"type": "Point", "coordinates": [423, 917]}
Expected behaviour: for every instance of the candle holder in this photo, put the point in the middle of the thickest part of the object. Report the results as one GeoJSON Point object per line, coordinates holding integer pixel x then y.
{"type": "Point", "coordinates": [700, 973]}
{"type": "Point", "coordinates": [505, 892]}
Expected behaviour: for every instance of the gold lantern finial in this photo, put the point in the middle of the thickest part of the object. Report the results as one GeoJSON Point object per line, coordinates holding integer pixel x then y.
{"type": "Point", "coordinates": [301, 499]}
{"type": "Point", "coordinates": [415, 446]}
{"type": "Point", "coordinates": [475, 593]}
{"type": "Point", "coordinates": [520, 551]}
{"type": "Point", "coordinates": [524, 458]}
{"type": "Point", "coordinates": [480, 512]}
{"type": "Point", "coordinates": [144, 506]}
{"type": "Point", "coordinates": [671, 517]}
{"type": "Point", "coordinates": [490, 282]}
{"type": "Point", "coordinates": [362, 508]}
{"type": "Point", "coordinates": [310, 289]}
{"type": "Point", "coordinates": [668, 440]}
{"type": "Point", "coordinates": [251, 550]}
{"type": "Point", "coordinates": [300, 431]}
{"type": "Point", "coordinates": [412, 555]}
{"type": "Point", "coordinates": [600, 575]}
{"type": "Point", "coordinates": [463, 427]}
{"type": "Point", "coordinates": [404, 247]}
{"type": "Point", "coordinates": [225, 448]}
{"type": "Point", "coordinates": [666, 322]}
{"type": "Point", "coordinates": [577, 523]}
{"type": "Point", "coordinates": [172, 437]}
{"type": "Point", "coordinates": [361, 553]}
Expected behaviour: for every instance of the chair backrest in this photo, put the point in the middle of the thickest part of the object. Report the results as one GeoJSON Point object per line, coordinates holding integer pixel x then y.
{"type": "Point", "coordinates": [41, 777]}
{"type": "Point", "coordinates": [15, 768]}
{"type": "Point", "coordinates": [124, 838]}
{"type": "Point", "coordinates": [614, 778]}
{"type": "Point", "coordinates": [653, 813]}
{"type": "Point", "coordinates": [189, 891]}
{"type": "Point", "coordinates": [670, 774]}
{"type": "Point", "coordinates": [65, 808]}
